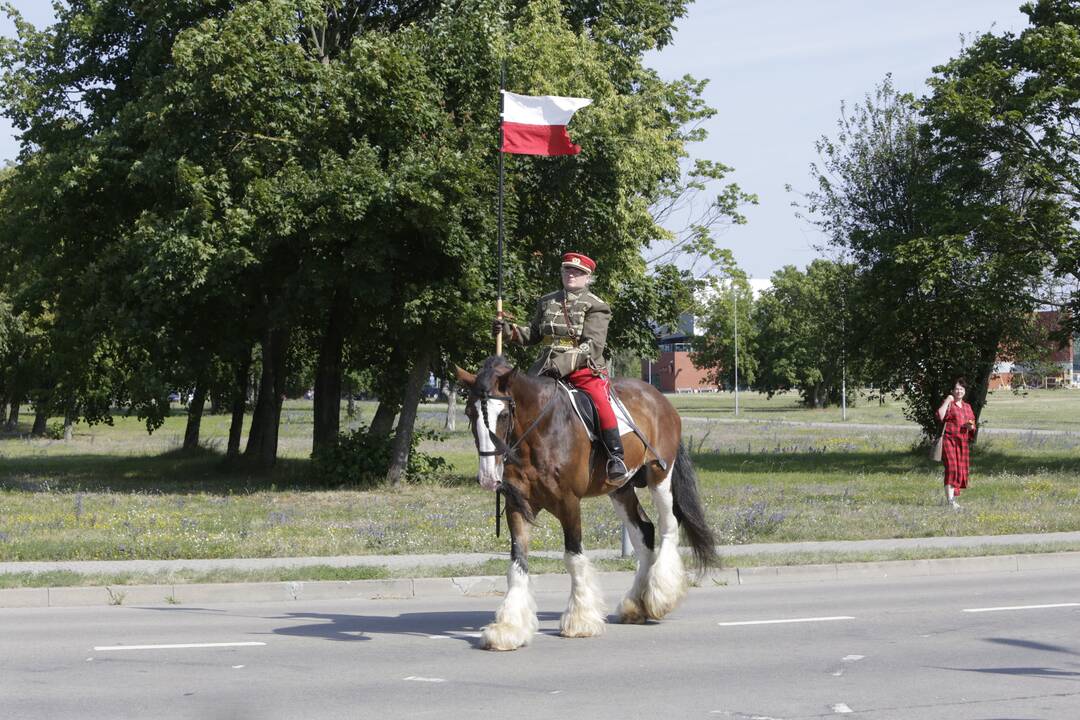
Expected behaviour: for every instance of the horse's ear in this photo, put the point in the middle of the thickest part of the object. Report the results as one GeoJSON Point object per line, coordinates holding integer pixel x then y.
{"type": "Point", "coordinates": [464, 377]}
{"type": "Point", "coordinates": [505, 379]}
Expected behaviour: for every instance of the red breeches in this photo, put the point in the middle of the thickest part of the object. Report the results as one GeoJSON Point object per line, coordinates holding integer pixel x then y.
{"type": "Point", "coordinates": [597, 388]}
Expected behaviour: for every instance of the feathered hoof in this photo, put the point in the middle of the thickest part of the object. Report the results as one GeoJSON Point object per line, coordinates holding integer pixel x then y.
{"type": "Point", "coordinates": [659, 600]}
{"type": "Point", "coordinates": [631, 613]}
{"type": "Point", "coordinates": [504, 636]}
{"type": "Point", "coordinates": [581, 625]}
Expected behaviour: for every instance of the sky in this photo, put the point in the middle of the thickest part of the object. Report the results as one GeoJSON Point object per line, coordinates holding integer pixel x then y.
{"type": "Point", "coordinates": [778, 72]}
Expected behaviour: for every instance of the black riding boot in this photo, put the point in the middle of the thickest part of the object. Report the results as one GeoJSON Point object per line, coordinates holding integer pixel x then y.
{"type": "Point", "coordinates": [616, 468]}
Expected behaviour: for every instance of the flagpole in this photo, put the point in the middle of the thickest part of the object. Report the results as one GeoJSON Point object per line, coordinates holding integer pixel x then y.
{"type": "Point", "coordinates": [498, 300]}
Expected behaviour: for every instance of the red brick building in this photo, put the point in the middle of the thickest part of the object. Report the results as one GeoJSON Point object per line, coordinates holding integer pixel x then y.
{"type": "Point", "coordinates": [673, 371]}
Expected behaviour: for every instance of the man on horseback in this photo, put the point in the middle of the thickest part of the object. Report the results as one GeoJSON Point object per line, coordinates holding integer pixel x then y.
{"type": "Point", "coordinates": [572, 325]}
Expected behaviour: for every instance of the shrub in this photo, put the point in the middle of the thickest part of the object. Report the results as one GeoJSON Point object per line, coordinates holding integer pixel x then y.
{"type": "Point", "coordinates": [360, 458]}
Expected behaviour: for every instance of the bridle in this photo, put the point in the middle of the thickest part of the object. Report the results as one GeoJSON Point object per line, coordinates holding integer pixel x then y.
{"type": "Point", "coordinates": [495, 439]}
{"type": "Point", "coordinates": [508, 448]}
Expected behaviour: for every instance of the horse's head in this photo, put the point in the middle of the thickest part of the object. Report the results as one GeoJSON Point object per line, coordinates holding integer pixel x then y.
{"type": "Point", "coordinates": [490, 410]}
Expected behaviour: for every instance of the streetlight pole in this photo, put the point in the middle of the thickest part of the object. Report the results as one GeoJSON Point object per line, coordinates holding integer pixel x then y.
{"type": "Point", "coordinates": [735, 324]}
{"type": "Point", "coordinates": [843, 371]}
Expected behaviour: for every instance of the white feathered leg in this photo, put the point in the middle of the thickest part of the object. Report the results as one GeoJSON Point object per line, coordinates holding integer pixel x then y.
{"type": "Point", "coordinates": [667, 582]}
{"type": "Point", "coordinates": [631, 609]}
{"type": "Point", "coordinates": [515, 620]}
{"type": "Point", "coordinates": [585, 613]}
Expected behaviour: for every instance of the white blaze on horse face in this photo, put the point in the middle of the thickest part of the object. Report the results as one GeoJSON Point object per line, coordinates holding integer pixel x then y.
{"type": "Point", "coordinates": [491, 470]}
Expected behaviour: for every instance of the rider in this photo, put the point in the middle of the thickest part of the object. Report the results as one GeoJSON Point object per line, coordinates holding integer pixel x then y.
{"type": "Point", "coordinates": [572, 325]}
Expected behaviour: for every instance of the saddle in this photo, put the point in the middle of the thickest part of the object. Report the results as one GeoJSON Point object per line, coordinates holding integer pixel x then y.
{"type": "Point", "coordinates": [585, 409]}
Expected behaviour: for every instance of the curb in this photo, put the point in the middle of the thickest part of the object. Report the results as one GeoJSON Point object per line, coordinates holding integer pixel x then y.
{"type": "Point", "coordinates": [495, 586]}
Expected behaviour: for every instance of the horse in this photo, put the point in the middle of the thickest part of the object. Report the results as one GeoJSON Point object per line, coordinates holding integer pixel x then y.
{"type": "Point", "coordinates": [535, 451]}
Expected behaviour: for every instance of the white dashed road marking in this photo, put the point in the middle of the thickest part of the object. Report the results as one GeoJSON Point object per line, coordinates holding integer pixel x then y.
{"type": "Point", "coordinates": [1022, 607]}
{"type": "Point", "coordinates": [180, 646]}
{"type": "Point", "coordinates": [789, 620]}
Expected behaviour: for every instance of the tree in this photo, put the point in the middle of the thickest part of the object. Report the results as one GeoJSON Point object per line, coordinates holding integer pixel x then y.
{"type": "Point", "coordinates": [802, 325]}
{"type": "Point", "coordinates": [309, 184]}
{"type": "Point", "coordinates": [727, 312]}
{"type": "Point", "coordinates": [943, 286]}
{"type": "Point", "coordinates": [1011, 104]}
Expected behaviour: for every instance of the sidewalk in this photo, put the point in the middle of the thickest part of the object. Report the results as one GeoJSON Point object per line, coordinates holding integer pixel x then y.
{"type": "Point", "coordinates": [399, 562]}
{"type": "Point", "coordinates": [427, 587]}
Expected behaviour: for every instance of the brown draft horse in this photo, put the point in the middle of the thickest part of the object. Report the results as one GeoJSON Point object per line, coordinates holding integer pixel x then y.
{"type": "Point", "coordinates": [535, 451]}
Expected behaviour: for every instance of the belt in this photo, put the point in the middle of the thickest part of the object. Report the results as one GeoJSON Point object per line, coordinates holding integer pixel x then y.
{"type": "Point", "coordinates": [560, 342]}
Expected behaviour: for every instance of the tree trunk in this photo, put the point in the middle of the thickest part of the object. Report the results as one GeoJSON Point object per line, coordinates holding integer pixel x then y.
{"type": "Point", "coordinates": [261, 451]}
{"type": "Point", "coordinates": [982, 380]}
{"type": "Point", "coordinates": [451, 405]}
{"type": "Point", "coordinates": [383, 422]}
{"type": "Point", "coordinates": [327, 410]}
{"type": "Point", "coordinates": [13, 413]}
{"type": "Point", "coordinates": [41, 419]}
{"type": "Point", "coordinates": [239, 405]}
{"type": "Point", "coordinates": [194, 416]}
{"type": "Point", "coordinates": [399, 456]}
{"type": "Point", "coordinates": [69, 427]}
{"type": "Point", "coordinates": [403, 437]}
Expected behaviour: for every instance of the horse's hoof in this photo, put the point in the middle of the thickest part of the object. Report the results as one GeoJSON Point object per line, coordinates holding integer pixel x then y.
{"type": "Point", "coordinates": [503, 636]}
{"type": "Point", "coordinates": [580, 625]}
{"type": "Point", "coordinates": [631, 613]}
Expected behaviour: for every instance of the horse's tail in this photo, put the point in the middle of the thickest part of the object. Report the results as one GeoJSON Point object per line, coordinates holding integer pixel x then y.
{"type": "Point", "coordinates": [690, 513]}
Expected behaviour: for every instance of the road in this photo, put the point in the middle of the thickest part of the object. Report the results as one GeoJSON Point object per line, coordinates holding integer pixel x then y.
{"type": "Point", "coordinates": [964, 647]}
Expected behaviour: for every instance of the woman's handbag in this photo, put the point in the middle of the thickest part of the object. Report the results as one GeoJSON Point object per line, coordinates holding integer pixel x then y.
{"type": "Point", "coordinates": [935, 452]}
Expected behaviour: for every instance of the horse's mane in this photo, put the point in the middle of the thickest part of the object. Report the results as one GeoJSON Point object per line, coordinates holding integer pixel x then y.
{"type": "Point", "coordinates": [496, 366]}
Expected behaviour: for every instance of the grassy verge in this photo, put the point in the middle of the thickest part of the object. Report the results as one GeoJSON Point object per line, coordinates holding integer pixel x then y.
{"type": "Point", "coordinates": [114, 493]}
{"type": "Point", "coordinates": [1031, 409]}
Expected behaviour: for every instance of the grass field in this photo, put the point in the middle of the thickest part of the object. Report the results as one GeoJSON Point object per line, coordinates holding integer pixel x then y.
{"type": "Point", "coordinates": [116, 493]}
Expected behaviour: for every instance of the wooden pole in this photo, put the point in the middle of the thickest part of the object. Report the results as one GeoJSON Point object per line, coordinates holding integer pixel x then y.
{"type": "Point", "coordinates": [498, 301]}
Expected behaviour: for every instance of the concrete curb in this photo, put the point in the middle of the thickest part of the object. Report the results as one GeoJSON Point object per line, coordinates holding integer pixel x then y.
{"type": "Point", "coordinates": [494, 586]}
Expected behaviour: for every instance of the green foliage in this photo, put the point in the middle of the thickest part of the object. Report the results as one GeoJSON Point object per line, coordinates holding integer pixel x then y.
{"type": "Point", "coordinates": [941, 285]}
{"type": "Point", "coordinates": [729, 310]}
{"type": "Point", "coordinates": [360, 459]}
{"type": "Point", "coordinates": [204, 180]}
{"type": "Point", "coordinates": [802, 325]}
{"type": "Point", "coordinates": [1008, 108]}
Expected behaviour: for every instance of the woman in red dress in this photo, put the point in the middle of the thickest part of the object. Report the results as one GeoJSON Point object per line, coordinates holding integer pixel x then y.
{"type": "Point", "coordinates": [959, 420]}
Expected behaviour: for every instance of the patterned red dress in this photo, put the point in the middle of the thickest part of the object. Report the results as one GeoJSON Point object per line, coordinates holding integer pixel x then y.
{"type": "Point", "coordinates": [954, 448]}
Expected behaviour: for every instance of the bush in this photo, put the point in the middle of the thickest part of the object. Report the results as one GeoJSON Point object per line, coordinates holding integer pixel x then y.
{"type": "Point", "coordinates": [360, 458]}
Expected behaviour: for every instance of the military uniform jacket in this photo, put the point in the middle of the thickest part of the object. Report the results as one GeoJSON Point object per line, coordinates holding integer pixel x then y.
{"type": "Point", "coordinates": [572, 327]}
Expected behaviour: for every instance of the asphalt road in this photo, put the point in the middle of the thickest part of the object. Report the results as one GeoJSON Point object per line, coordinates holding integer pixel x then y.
{"type": "Point", "coordinates": [966, 647]}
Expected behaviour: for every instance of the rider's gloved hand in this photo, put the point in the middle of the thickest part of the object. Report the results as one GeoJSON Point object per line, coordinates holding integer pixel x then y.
{"type": "Point", "coordinates": [497, 326]}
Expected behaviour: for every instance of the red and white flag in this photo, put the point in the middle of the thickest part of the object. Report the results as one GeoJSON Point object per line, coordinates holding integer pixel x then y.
{"type": "Point", "coordinates": [536, 125]}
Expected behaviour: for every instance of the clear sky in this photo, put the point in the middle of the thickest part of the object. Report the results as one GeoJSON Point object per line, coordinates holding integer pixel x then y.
{"type": "Point", "coordinates": [778, 71]}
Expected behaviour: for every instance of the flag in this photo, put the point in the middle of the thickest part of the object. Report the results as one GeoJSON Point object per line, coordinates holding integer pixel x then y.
{"type": "Point", "coordinates": [537, 125]}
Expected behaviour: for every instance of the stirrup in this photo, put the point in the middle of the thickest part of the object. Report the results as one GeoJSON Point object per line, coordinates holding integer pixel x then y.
{"type": "Point", "coordinates": [617, 472]}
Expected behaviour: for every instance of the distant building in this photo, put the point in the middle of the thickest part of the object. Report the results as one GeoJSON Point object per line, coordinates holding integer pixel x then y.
{"type": "Point", "coordinates": [674, 371]}
{"type": "Point", "coordinates": [1066, 358]}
